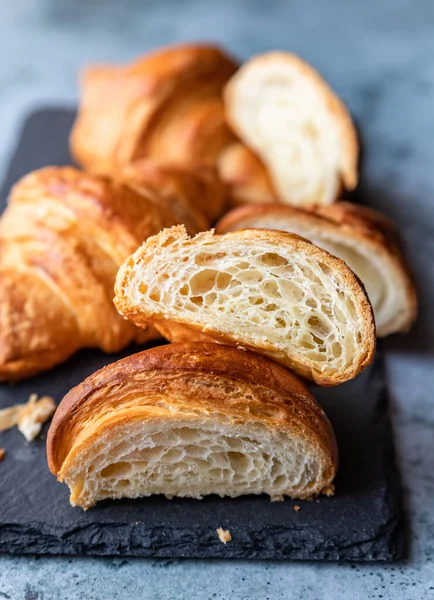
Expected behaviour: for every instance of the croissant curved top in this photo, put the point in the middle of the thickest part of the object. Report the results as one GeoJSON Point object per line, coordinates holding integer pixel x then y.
{"type": "Point", "coordinates": [166, 104]}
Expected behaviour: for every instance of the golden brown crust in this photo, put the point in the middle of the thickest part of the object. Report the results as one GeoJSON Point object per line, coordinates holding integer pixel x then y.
{"type": "Point", "coordinates": [62, 239]}
{"type": "Point", "coordinates": [194, 194]}
{"type": "Point", "coordinates": [182, 374]}
{"type": "Point", "coordinates": [371, 228]}
{"type": "Point", "coordinates": [364, 219]}
{"type": "Point", "coordinates": [183, 329]}
{"type": "Point", "coordinates": [166, 105]}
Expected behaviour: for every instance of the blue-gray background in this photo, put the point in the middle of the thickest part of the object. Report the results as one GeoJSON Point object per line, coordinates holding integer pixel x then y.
{"type": "Point", "coordinates": [379, 56]}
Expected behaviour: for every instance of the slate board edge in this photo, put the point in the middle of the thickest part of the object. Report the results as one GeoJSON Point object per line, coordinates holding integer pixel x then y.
{"type": "Point", "coordinates": [186, 542]}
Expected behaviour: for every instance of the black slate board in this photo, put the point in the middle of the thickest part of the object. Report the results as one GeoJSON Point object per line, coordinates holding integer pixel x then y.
{"type": "Point", "coordinates": [361, 522]}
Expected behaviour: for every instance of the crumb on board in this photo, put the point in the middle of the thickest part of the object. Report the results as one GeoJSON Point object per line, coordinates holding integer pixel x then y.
{"type": "Point", "coordinates": [277, 498]}
{"type": "Point", "coordinates": [224, 535]}
{"type": "Point", "coordinates": [2, 454]}
{"type": "Point", "coordinates": [9, 416]}
{"type": "Point", "coordinates": [329, 490]}
{"type": "Point", "coordinates": [296, 507]}
{"type": "Point", "coordinates": [29, 416]}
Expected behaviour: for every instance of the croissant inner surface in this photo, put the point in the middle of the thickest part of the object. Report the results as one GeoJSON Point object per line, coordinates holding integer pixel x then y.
{"type": "Point", "coordinates": [286, 297]}
{"type": "Point", "coordinates": [286, 113]}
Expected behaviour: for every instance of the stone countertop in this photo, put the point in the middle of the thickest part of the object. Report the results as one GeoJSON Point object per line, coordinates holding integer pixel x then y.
{"type": "Point", "coordinates": [379, 56]}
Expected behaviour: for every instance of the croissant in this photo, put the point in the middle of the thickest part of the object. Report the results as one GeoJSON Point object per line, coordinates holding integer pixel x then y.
{"type": "Point", "coordinates": [359, 235]}
{"type": "Point", "coordinates": [195, 194]}
{"type": "Point", "coordinates": [62, 239]}
{"type": "Point", "coordinates": [282, 109]}
{"type": "Point", "coordinates": [268, 291]}
{"type": "Point", "coordinates": [190, 420]}
{"type": "Point", "coordinates": [166, 105]}
{"type": "Point", "coordinates": [245, 177]}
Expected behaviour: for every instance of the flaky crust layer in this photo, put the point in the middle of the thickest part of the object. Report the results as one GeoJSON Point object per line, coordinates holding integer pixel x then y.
{"type": "Point", "coordinates": [184, 328]}
{"type": "Point", "coordinates": [165, 105]}
{"type": "Point", "coordinates": [360, 225]}
{"type": "Point", "coordinates": [195, 194]}
{"type": "Point", "coordinates": [184, 375]}
{"type": "Point", "coordinates": [62, 239]}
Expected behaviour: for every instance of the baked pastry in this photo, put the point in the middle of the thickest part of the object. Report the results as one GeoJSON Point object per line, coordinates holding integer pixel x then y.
{"type": "Point", "coordinates": [195, 194]}
{"type": "Point", "coordinates": [284, 111]}
{"type": "Point", "coordinates": [166, 105]}
{"type": "Point", "coordinates": [361, 236]}
{"type": "Point", "coordinates": [245, 177]}
{"type": "Point", "coordinates": [269, 291]}
{"type": "Point", "coordinates": [62, 239]}
{"type": "Point", "coordinates": [190, 420]}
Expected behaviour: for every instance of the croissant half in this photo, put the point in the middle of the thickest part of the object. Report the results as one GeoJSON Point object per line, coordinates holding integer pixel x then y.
{"type": "Point", "coordinates": [190, 420]}
{"type": "Point", "coordinates": [284, 111]}
{"type": "Point", "coordinates": [62, 239]}
{"type": "Point", "coordinates": [268, 291]}
{"type": "Point", "coordinates": [166, 105]}
{"type": "Point", "coordinates": [359, 235]}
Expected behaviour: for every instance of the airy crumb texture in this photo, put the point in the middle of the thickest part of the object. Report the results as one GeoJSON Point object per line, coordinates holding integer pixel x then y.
{"type": "Point", "coordinates": [29, 417]}
{"type": "Point", "coordinates": [190, 420]}
{"type": "Point", "coordinates": [362, 237]}
{"type": "Point", "coordinates": [224, 535]}
{"type": "Point", "coordinates": [2, 454]}
{"type": "Point", "coordinates": [286, 113]}
{"type": "Point", "coordinates": [269, 291]}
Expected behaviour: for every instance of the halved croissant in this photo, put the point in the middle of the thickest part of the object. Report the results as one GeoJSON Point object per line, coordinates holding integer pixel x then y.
{"type": "Point", "coordinates": [359, 235]}
{"type": "Point", "coordinates": [62, 239]}
{"type": "Point", "coordinates": [285, 112]}
{"type": "Point", "coordinates": [166, 105]}
{"type": "Point", "coordinates": [269, 291]}
{"type": "Point", "coordinates": [190, 420]}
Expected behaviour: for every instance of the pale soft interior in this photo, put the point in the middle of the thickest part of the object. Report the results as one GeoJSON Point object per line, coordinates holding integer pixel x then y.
{"type": "Point", "coordinates": [193, 459]}
{"type": "Point", "coordinates": [372, 271]}
{"type": "Point", "coordinates": [282, 115]}
{"type": "Point", "coordinates": [256, 293]}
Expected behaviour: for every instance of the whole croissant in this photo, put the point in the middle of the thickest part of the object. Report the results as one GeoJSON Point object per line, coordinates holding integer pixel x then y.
{"type": "Point", "coordinates": [62, 239]}
{"type": "Point", "coordinates": [168, 104]}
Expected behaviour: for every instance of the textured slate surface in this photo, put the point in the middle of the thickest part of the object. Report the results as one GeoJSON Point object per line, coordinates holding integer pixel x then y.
{"type": "Point", "coordinates": [362, 522]}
